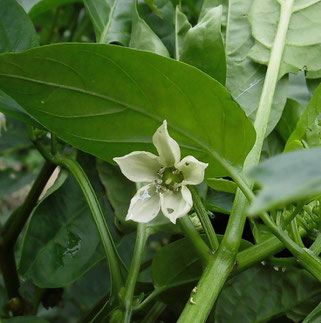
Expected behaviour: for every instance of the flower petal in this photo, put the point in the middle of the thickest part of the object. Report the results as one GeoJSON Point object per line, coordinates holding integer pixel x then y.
{"type": "Point", "coordinates": [192, 169]}
{"type": "Point", "coordinates": [139, 166]}
{"type": "Point", "coordinates": [168, 149]}
{"type": "Point", "coordinates": [145, 205]}
{"type": "Point", "coordinates": [176, 204]}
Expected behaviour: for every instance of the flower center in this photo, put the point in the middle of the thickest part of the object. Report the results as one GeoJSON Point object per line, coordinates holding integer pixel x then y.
{"type": "Point", "coordinates": [170, 178]}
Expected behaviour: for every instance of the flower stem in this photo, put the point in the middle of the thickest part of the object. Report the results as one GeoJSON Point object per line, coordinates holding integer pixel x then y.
{"type": "Point", "coordinates": [154, 313]}
{"type": "Point", "coordinates": [203, 217]}
{"type": "Point", "coordinates": [128, 293]}
{"type": "Point", "coordinates": [195, 239]}
{"type": "Point", "coordinates": [111, 252]}
{"type": "Point", "coordinates": [223, 261]}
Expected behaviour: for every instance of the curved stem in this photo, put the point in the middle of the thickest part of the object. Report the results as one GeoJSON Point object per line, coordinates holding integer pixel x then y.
{"type": "Point", "coordinates": [203, 217]}
{"type": "Point", "coordinates": [112, 255]}
{"type": "Point", "coordinates": [128, 294]}
{"type": "Point", "coordinates": [194, 237]}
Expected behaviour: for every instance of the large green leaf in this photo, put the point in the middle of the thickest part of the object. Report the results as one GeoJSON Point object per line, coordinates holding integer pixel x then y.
{"type": "Point", "coordinates": [109, 100]}
{"type": "Point", "coordinates": [61, 242]}
{"type": "Point", "coordinates": [287, 178]}
{"type": "Point", "coordinates": [17, 36]}
{"type": "Point", "coordinates": [303, 40]}
{"type": "Point", "coordinates": [308, 128]}
{"type": "Point", "coordinates": [203, 45]}
{"type": "Point", "coordinates": [261, 293]}
{"type": "Point", "coordinates": [25, 319]}
{"type": "Point", "coordinates": [111, 20]}
{"type": "Point", "coordinates": [244, 77]}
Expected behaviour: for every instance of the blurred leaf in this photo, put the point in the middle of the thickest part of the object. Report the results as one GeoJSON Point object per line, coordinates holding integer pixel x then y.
{"type": "Point", "coordinates": [290, 117]}
{"type": "Point", "coordinates": [36, 7]}
{"type": "Point", "coordinates": [313, 85]}
{"type": "Point", "coordinates": [111, 20]}
{"type": "Point", "coordinates": [303, 41]}
{"type": "Point", "coordinates": [261, 293]}
{"type": "Point", "coordinates": [272, 145]}
{"type": "Point", "coordinates": [17, 36]}
{"type": "Point", "coordinates": [61, 242]}
{"type": "Point", "coordinates": [182, 26]}
{"type": "Point", "coordinates": [11, 108]}
{"type": "Point", "coordinates": [113, 87]}
{"type": "Point", "coordinates": [15, 138]}
{"type": "Point", "coordinates": [25, 319]}
{"type": "Point", "coordinates": [244, 77]}
{"type": "Point", "coordinates": [203, 45]}
{"type": "Point", "coordinates": [151, 4]}
{"type": "Point", "coordinates": [314, 316]}
{"type": "Point", "coordinates": [143, 37]}
{"type": "Point", "coordinates": [173, 267]}
{"type": "Point", "coordinates": [287, 178]}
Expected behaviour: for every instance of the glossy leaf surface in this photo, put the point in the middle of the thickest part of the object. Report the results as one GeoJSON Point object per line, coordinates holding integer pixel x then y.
{"type": "Point", "coordinates": [103, 100]}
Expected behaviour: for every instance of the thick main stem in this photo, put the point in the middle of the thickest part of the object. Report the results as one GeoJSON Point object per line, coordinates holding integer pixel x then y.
{"type": "Point", "coordinates": [223, 262]}
{"type": "Point", "coordinates": [127, 298]}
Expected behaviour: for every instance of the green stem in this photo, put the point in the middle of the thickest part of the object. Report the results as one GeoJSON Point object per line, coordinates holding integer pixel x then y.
{"type": "Point", "coordinates": [193, 236]}
{"type": "Point", "coordinates": [154, 313]}
{"type": "Point", "coordinates": [316, 245]}
{"type": "Point", "coordinates": [128, 294]}
{"type": "Point", "coordinates": [292, 216]}
{"type": "Point", "coordinates": [112, 255]}
{"type": "Point", "coordinates": [223, 262]}
{"type": "Point", "coordinates": [203, 217]}
{"type": "Point", "coordinates": [295, 233]}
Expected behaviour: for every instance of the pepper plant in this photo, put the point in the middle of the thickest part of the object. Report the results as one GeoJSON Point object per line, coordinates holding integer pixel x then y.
{"type": "Point", "coordinates": [168, 160]}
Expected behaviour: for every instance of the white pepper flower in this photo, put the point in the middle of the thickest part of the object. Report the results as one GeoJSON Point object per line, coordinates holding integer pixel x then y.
{"type": "Point", "coordinates": [167, 176]}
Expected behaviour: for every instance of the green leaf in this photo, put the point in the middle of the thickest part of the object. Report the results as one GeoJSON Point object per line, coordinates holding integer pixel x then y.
{"type": "Point", "coordinates": [151, 4]}
{"type": "Point", "coordinates": [244, 77]}
{"type": "Point", "coordinates": [11, 108]}
{"type": "Point", "coordinates": [173, 267]}
{"type": "Point", "coordinates": [203, 45]}
{"type": "Point", "coordinates": [261, 293]}
{"type": "Point", "coordinates": [118, 98]}
{"type": "Point", "coordinates": [298, 89]}
{"type": "Point", "coordinates": [61, 242]}
{"type": "Point", "coordinates": [162, 26]}
{"type": "Point", "coordinates": [143, 37]}
{"type": "Point", "coordinates": [37, 7]}
{"type": "Point", "coordinates": [308, 128]}
{"type": "Point", "coordinates": [221, 202]}
{"type": "Point", "coordinates": [303, 40]}
{"type": "Point", "coordinates": [119, 190]}
{"type": "Point", "coordinates": [287, 178]}
{"type": "Point", "coordinates": [17, 36]}
{"type": "Point", "coordinates": [314, 316]}
{"type": "Point", "coordinates": [15, 138]}
{"type": "Point", "coordinates": [290, 117]}
{"type": "Point", "coordinates": [222, 184]}
{"type": "Point", "coordinates": [182, 26]}
{"type": "Point", "coordinates": [111, 20]}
